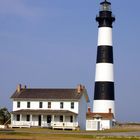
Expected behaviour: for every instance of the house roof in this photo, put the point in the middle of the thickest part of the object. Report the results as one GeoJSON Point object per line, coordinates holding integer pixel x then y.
{"type": "Point", "coordinates": [49, 94]}
{"type": "Point", "coordinates": [43, 112]}
{"type": "Point", "coordinates": [104, 116]}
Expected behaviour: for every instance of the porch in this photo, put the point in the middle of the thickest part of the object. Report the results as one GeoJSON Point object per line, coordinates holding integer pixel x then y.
{"type": "Point", "coordinates": [55, 119]}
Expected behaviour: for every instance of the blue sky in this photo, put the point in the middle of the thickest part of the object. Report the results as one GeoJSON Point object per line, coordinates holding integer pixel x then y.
{"type": "Point", "coordinates": [52, 44]}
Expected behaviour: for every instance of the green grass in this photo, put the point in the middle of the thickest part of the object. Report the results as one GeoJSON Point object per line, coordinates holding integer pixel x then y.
{"type": "Point", "coordinates": [62, 136]}
{"type": "Point", "coordinates": [39, 134]}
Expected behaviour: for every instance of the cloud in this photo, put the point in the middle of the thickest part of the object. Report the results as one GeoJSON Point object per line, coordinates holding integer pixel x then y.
{"type": "Point", "coordinates": [19, 8]}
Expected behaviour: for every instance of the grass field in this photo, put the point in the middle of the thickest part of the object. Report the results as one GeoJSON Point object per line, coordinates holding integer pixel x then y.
{"type": "Point", "coordinates": [61, 137]}
{"type": "Point", "coordinates": [46, 134]}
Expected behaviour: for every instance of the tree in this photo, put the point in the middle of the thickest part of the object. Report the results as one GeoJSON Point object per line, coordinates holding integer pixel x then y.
{"type": "Point", "coordinates": [4, 115]}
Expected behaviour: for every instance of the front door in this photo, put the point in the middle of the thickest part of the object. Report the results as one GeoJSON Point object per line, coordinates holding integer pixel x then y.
{"type": "Point", "coordinates": [49, 119]}
{"type": "Point", "coordinates": [39, 120]}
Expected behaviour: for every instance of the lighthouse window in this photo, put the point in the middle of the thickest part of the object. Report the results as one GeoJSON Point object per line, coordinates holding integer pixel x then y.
{"type": "Point", "coordinates": [105, 7]}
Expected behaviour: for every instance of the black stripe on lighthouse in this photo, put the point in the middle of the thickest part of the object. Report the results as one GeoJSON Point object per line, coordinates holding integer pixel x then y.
{"type": "Point", "coordinates": [104, 91]}
{"type": "Point", "coordinates": [104, 54]}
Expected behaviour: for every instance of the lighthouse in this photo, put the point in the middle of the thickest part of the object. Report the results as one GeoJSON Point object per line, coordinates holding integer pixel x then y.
{"type": "Point", "coordinates": [104, 97]}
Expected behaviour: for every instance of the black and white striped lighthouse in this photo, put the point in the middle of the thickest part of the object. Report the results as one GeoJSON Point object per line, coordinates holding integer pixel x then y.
{"type": "Point", "coordinates": [104, 77]}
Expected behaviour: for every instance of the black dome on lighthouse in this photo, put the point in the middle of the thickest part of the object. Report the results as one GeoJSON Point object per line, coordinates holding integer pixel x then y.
{"type": "Point", "coordinates": [105, 17]}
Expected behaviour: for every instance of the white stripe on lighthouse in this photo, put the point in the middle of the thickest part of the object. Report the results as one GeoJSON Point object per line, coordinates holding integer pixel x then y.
{"type": "Point", "coordinates": [105, 36]}
{"type": "Point", "coordinates": [104, 72]}
{"type": "Point", "coordinates": [103, 106]}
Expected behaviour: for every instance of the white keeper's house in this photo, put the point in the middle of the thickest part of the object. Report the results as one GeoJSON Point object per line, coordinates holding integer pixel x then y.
{"type": "Point", "coordinates": [52, 108]}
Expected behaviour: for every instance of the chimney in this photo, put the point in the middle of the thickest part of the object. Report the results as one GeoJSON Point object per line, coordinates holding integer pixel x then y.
{"type": "Point", "coordinates": [19, 88]}
{"type": "Point", "coordinates": [80, 88]}
{"type": "Point", "coordinates": [110, 110]}
{"type": "Point", "coordinates": [89, 110]}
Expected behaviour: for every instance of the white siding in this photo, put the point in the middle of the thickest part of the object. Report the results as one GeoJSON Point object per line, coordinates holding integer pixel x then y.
{"type": "Point", "coordinates": [93, 124]}
{"type": "Point", "coordinates": [55, 105]}
{"type": "Point", "coordinates": [15, 105]}
{"type": "Point", "coordinates": [35, 120]}
{"type": "Point", "coordinates": [106, 124]}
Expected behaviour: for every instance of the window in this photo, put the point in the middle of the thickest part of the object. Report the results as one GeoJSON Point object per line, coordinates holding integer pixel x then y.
{"type": "Point", "coordinates": [49, 104]}
{"type": "Point", "coordinates": [61, 104]}
{"type": "Point", "coordinates": [28, 104]}
{"type": "Point", "coordinates": [18, 104]}
{"type": "Point", "coordinates": [61, 118]}
{"type": "Point", "coordinates": [72, 105]}
{"type": "Point", "coordinates": [18, 117]}
{"type": "Point", "coordinates": [28, 118]}
{"type": "Point", "coordinates": [40, 104]}
{"type": "Point", "coordinates": [71, 118]}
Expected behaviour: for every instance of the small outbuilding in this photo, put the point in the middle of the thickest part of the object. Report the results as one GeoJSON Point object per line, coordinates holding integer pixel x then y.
{"type": "Point", "coordinates": [99, 121]}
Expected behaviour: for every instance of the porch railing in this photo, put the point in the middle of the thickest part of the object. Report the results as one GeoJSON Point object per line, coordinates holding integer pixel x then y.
{"type": "Point", "coordinates": [21, 124]}
{"type": "Point", "coordinates": [64, 125]}
{"type": "Point", "coordinates": [61, 125]}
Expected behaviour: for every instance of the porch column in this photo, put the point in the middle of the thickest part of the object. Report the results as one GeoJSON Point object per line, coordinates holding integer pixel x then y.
{"type": "Point", "coordinates": [52, 122]}
{"type": "Point", "coordinates": [42, 121]}
{"type": "Point", "coordinates": [12, 119]}
{"type": "Point", "coordinates": [53, 118]}
{"type": "Point", "coordinates": [21, 122]}
{"type": "Point", "coordinates": [64, 123]}
{"type": "Point", "coordinates": [74, 123]}
{"type": "Point", "coordinates": [31, 120]}
{"type": "Point", "coordinates": [63, 118]}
